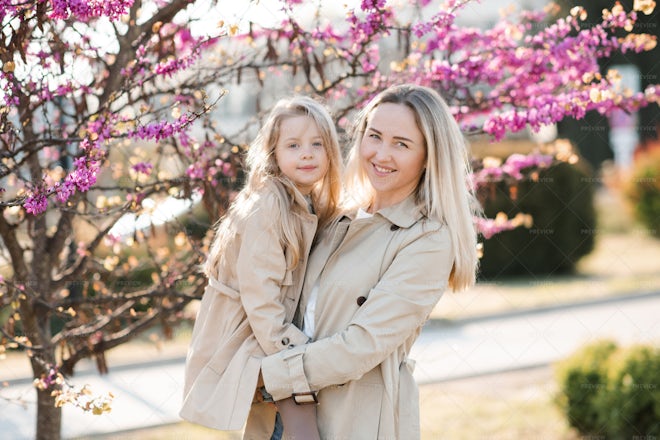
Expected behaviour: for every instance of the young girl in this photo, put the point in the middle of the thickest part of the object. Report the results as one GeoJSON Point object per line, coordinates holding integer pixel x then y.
{"type": "Point", "coordinates": [256, 267]}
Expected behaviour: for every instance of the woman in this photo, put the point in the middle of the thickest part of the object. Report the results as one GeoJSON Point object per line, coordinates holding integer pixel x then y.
{"type": "Point", "coordinates": [372, 283]}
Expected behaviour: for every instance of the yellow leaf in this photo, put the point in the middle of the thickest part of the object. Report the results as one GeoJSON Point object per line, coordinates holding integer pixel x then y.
{"type": "Point", "coordinates": [9, 67]}
{"type": "Point", "coordinates": [594, 95]}
{"type": "Point", "coordinates": [646, 6]}
{"type": "Point", "coordinates": [180, 239]}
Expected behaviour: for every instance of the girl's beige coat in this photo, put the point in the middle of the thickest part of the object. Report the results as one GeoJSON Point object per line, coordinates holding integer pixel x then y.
{"type": "Point", "coordinates": [396, 265]}
{"type": "Point", "coordinates": [243, 315]}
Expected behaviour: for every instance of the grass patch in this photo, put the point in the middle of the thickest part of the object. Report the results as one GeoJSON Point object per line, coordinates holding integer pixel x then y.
{"type": "Point", "coordinates": [510, 405]}
{"type": "Point", "coordinates": [178, 431]}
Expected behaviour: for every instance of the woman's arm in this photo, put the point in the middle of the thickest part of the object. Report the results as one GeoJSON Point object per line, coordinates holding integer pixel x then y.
{"type": "Point", "coordinates": [396, 307]}
{"type": "Point", "coordinates": [260, 269]}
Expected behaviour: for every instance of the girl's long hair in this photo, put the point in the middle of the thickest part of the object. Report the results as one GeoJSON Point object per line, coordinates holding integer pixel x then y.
{"type": "Point", "coordinates": [262, 168]}
{"type": "Point", "coordinates": [444, 189]}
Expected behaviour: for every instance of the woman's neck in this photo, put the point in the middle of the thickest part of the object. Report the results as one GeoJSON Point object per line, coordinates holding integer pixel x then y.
{"type": "Point", "coordinates": [379, 203]}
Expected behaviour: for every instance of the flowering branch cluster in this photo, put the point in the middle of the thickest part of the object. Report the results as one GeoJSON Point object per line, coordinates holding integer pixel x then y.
{"type": "Point", "coordinates": [85, 9]}
{"type": "Point", "coordinates": [524, 72]}
{"type": "Point", "coordinates": [519, 77]}
{"type": "Point", "coordinates": [82, 178]}
{"type": "Point", "coordinates": [488, 227]}
{"type": "Point", "coordinates": [493, 170]}
{"type": "Point", "coordinates": [64, 393]}
{"type": "Point", "coordinates": [515, 168]}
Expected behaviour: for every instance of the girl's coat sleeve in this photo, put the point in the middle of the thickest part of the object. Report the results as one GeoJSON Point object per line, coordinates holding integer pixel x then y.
{"type": "Point", "coordinates": [395, 309]}
{"type": "Point", "coordinates": [261, 270]}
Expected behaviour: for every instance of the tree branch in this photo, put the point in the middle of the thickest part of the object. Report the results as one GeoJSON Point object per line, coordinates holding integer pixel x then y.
{"type": "Point", "coordinates": [134, 36]}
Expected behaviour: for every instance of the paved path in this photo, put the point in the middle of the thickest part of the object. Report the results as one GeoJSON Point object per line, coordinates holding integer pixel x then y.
{"type": "Point", "coordinates": [521, 340]}
{"type": "Point", "coordinates": [150, 394]}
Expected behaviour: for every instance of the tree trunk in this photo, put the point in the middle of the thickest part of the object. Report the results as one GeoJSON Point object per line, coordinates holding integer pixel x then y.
{"type": "Point", "coordinates": [49, 417]}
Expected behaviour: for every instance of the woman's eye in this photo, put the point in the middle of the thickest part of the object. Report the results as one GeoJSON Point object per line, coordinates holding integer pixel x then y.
{"type": "Point", "coordinates": [374, 136]}
{"type": "Point", "coordinates": [401, 144]}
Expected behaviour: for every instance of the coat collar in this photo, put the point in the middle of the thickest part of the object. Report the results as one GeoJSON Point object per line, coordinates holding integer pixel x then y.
{"type": "Point", "coordinates": [296, 196]}
{"type": "Point", "coordinates": [405, 213]}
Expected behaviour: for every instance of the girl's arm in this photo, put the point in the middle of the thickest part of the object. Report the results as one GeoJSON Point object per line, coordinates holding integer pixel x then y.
{"type": "Point", "coordinates": [261, 269]}
{"type": "Point", "coordinates": [396, 308]}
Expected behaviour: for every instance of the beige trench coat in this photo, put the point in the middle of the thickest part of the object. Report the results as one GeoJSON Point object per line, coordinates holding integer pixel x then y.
{"type": "Point", "coordinates": [380, 278]}
{"type": "Point", "coordinates": [244, 315]}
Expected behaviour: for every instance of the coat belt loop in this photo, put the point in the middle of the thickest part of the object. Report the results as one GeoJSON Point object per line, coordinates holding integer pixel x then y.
{"type": "Point", "coordinates": [223, 288]}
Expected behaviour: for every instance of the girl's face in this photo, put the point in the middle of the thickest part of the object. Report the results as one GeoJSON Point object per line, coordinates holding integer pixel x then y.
{"type": "Point", "coordinates": [392, 153]}
{"type": "Point", "coordinates": [300, 153]}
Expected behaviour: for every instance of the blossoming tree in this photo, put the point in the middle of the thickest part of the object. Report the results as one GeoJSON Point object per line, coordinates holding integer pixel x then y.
{"type": "Point", "coordinates": [108, 105]}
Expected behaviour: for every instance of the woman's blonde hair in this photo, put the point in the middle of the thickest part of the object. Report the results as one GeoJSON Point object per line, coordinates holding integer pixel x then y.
{"type": "Point", "coordinates": [444, 188]}
{"type": "Point", "coordinates": [262, 167]}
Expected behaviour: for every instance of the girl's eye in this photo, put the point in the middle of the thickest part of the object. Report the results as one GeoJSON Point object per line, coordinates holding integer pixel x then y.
{"type": "Point", "coordinates": [294, 145]}
{"type": "Point", "coordinates": [318, 144]}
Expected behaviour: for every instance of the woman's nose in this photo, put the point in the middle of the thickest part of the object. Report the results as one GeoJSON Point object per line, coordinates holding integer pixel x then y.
{"type": "Point", "coordinates": [382, 153]}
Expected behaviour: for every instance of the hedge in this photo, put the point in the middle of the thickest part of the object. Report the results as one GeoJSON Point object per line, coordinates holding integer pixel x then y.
{"type": "Point", "coordinates": [560, 201]}
{"type": "Point", "coordinates": [611, 392]}
{"type": "Point", "coordinates": [643, 190]}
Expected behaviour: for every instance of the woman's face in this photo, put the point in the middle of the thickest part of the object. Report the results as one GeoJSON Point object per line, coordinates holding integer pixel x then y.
{"type": "Point", "coordinates": [392, 153]}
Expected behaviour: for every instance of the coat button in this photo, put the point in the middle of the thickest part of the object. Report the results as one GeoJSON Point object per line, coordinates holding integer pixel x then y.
{"type": "Point", "coordinates": [394, 228]}
{"type": "Point", "coordinates": [285, 341]}
{"type": "Point", "coordinates": [361, 300]}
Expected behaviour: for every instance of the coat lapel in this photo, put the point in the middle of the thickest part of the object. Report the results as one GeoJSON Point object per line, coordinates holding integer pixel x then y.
{"type": "Point", "coordinates": [330, 239]}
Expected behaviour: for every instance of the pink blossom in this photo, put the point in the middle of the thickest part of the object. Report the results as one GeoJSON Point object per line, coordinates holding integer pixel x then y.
{"type": "Point", "coordinates": [84, 176]}
{"type": "Point", "coordinates": [81, 249]}
{"type": "Point", "coordinates": [227, 169]}
{"type": "Point", "coordinates": [143, 168]}
{"type": "Point", "coordinates": [489, 227]}
{"type": "Point", "coordinates": [64, 191]}
{"type": "Point", "coordinates": [195, 172]}
{"type": "Point", "coordinates": [516, 163]}
{"type": "Point", "coordinates": [48, 379]}
{"type": "Point", "coordinates": [161, 129]}
{"type": "Point", "coordinates": [36, 204]}
{"type": "Point", "coordinates": [112, 239]}
{"type": "Point", "coordinates": [85, 9]}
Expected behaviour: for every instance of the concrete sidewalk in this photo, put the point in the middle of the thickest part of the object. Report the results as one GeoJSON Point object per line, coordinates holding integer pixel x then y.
{"type": "Point", "coordinates": [149, 394]}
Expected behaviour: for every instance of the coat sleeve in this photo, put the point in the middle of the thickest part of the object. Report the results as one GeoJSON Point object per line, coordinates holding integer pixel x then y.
{"type": "Point", "coordinates": [396, 308]}
{"type": "Point", "coordinates": [261, 268]}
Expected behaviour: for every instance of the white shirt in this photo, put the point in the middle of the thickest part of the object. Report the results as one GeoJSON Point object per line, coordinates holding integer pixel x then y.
{"type": "Point", "coordinates": [308, 320]}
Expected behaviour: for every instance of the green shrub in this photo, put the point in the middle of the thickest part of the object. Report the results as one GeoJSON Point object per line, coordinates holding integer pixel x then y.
{"type": "Point", "coordinates": [611, 392]}
{"type": "Point", "coordinates": [643, 191]}
{"type": "Point", "coordinates": [580, 378]}
{"type": "Point", "coordinates": [630, 406]}
{"type": "Point", "coordinates": [560, 201]}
